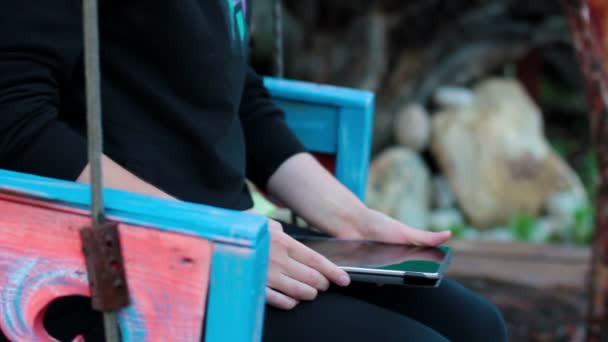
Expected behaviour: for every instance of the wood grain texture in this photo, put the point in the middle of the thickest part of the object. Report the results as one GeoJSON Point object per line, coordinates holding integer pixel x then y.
{"type": "Point", "coordinates": [318, 93]}
{"type": "Point", "coordinates": [236, 306]}
{"type": "Point", "coordinates": [222, 227]}
{"type": "Point", "coordinates": [41, 260]}
{"type": "Point", "coordinates": [354, 148]}
{"type": "Point", "coordinates": [216, 224]}
{"type": "Point", "coordinates": [315, 125]}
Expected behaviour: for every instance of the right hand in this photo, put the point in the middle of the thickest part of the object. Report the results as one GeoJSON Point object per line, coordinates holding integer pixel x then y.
{"type": "Point", "coordinates": [295, 272]}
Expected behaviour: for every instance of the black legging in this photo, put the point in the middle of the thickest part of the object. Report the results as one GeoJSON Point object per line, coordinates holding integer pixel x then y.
{"type": "Point", "coordinates": [361, 312]}
{"type": "Point", "coordinates": [389, 313]}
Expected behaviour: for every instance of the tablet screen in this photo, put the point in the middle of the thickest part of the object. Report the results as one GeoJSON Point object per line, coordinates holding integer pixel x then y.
{"type": "Point", "coordinates": [372, 255]}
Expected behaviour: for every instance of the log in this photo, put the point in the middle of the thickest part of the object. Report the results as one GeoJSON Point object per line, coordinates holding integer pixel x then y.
{"type": "Point", "coordinates": [538, 266]}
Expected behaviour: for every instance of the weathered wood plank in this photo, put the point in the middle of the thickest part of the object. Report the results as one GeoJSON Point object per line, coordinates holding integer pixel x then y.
{"type": "Point", "coordinates": [216, 224]}
{"type": "Point", "coordinates": [41, 260]}
{"type": "Point", "coordinates": [236, 272]}
{"type": "Point", "coordinates": [354, 148]}
{"type": "Point", "coordinates": [540, 266]}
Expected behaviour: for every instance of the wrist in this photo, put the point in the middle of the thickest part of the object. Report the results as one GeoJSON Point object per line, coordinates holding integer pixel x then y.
{"type": "Point", "coordinates": [347, 219]}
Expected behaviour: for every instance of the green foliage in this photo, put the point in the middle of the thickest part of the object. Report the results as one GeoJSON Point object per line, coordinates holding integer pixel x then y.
{"type": "Point", "coordinates": [509, 71]}
{"type": "Point", "coordinates": [590, 174]}
{"type": "Point", "coordinates": [562, 148]}
{"type": "Point", "coordinates": [556, 96]}
{"type": "Point", "coordinates": [459, 230]}
{"type": "Point", "coordinates": [582, 227]}
{"type": "Point", "coordinates": [523, 226]}
{"type": "Point", "coordinates": [581, 231]}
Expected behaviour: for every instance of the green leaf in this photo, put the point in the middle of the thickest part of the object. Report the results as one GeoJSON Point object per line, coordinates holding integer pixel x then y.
{"type": "Point", "coordinates": [523, 226]}
{"type": "Point", "coordinates": [582, 229]}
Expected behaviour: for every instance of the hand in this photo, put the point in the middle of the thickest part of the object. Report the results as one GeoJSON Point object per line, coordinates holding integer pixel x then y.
{"type": "Point", "coordinates": [376, 226]}
{"type": "Point", "coordinates": [295, 272]}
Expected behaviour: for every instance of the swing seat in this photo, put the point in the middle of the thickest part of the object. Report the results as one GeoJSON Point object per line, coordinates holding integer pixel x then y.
{"type": "Point", "coordinates": [175, 254]}
{"type": "Point", "coordinates": [192, 270]}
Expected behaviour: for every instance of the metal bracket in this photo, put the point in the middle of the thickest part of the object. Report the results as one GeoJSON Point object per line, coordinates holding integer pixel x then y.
{"type": "Point", "coordinates": [103, 255]}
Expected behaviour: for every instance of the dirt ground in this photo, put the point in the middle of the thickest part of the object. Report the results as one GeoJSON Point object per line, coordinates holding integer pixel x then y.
{"type": "Point", "coordinates": [534, 314]}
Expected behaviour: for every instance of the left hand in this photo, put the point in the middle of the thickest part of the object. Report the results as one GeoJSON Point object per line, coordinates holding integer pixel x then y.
{"type": "Point", "coordinates": [375, 226]}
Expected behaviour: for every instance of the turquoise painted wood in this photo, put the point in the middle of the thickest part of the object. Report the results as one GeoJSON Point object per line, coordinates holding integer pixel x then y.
{"type": "Point", "coordinates": [240, 248]}
{"type": "Point", "coordinates": [331, 120]}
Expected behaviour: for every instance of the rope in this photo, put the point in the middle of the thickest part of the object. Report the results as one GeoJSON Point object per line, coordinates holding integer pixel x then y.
{"type": "Point", "coordinates": [278, 39]}
{"type": "Point", "coordinates": [279, 66]}
{"type": "Point", "coordinates": [94, 132]}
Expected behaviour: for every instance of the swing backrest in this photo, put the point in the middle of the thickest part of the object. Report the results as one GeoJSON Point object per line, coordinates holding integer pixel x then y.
{"type": "Point", "coordinates": [335, 123]}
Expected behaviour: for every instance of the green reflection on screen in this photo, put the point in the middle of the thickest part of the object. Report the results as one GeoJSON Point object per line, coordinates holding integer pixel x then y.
{"type": "Point", "coordinates": [422, 266]}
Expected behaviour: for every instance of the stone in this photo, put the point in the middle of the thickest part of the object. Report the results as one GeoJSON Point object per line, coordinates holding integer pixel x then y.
{"type": "Point", "coordinates": [399, 186]}
{"type": "Point", "coordinates": [470, 234]}
{"type": "Point", "coordinates": [454, 97]}
{"type": "Point", "coordinates": [413, 127]}
{"type": "Point", "coordinates": [500, 234]}
{"type": "Point", "coordinates": [442, 196]}
{"type": "Point", "coordinates": [495, 155]}
{"type": "Point", "coordinates": [445, 219]}
{"type": "Point", "coordinates": [562, 207]}
{"type": "Point", "coordinates": [547, 228]}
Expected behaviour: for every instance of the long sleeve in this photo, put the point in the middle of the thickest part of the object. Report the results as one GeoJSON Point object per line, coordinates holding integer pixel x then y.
{"type": "Point", "coordinates": [40, 43]}
{"type": "Point", "coordinates": [268, 139]}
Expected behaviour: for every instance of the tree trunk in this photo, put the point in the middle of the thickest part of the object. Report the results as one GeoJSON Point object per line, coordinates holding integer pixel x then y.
{"type": "Point", "coordinates": [589, 22]}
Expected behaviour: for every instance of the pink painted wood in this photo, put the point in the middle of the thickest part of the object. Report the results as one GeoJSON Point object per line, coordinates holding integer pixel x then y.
{"type": "Point", "coordinates": [41, 260]}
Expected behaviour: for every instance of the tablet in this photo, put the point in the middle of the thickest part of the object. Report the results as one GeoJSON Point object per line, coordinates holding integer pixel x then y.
{"type": "Point", "coordinates": [382, 263]}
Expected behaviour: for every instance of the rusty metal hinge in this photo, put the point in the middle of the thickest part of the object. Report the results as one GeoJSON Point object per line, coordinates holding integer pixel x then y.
{"type": "Point", "coordinates": [105, 267]}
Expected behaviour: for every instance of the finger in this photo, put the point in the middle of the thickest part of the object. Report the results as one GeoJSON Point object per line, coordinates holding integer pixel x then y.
{"type": "Point", "coordinates": [310, 258]}
{"type": "Point", "coordinates": [425, 238]}
{"type": "Point", "coordinates": [307, 275]}
{"type": "Point", "coordinates": [293, 288]}
{"type": "Point", "coordinates": [279, 300]}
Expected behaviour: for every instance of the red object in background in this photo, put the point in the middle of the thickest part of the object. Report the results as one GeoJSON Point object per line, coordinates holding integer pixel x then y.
{"type": "Point", "coordinates": [598, 12]}
{"type": "Point", "coordinates": [589, 22]}
{"type": "Point", "coordinates": [328, 161]}
{"type": "Point", "coordinates": [529, 71]}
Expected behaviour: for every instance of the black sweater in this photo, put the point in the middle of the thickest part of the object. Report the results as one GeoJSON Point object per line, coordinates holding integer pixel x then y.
{"type": "Point", "coordinates": [181, 108]}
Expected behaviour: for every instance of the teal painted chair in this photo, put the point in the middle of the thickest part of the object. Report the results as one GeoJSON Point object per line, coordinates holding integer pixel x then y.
{"type": "Point", "coordinates": [185, 263]}
{"type": "Point", "coordinates": [333, 122]}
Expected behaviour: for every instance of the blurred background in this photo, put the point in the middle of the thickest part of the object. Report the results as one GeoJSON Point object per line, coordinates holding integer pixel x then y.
{"type": "Point", "coordinates": [481, 128]}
